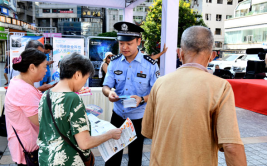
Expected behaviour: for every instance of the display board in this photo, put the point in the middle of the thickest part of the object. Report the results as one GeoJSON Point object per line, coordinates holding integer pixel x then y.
{"type": "Point", "coordinates": [66, 46]}
{"type": "Point", "coordinates": [97, 49]}
{"type": "Point", "coordinates": [18, 44]}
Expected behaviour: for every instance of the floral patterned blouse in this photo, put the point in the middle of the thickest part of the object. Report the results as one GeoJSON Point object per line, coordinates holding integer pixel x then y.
{"type": "Point", "coordinates": [70, 116]}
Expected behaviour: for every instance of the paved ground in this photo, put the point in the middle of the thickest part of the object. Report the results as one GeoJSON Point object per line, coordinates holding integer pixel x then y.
{"type": "Point", "coordinates": [253, 130]}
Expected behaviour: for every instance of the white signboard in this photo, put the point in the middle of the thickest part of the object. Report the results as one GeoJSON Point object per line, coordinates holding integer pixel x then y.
{"type": "Point", "coordinates": [66, 46]}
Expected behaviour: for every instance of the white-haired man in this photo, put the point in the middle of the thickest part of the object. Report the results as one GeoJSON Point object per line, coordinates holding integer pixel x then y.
{"type": "Point", "coordinates": [190, 114]}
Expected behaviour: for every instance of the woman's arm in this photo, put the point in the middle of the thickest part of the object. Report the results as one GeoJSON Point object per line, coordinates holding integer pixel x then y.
{"type": "Point", "coordinates": [85, 141]}
{"type": "Point", "coordinates": [105, 67]}
{"type": "Point", "coordinates": [34, 119]}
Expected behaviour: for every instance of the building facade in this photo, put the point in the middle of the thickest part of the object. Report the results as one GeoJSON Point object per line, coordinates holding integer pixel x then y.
{"type": "Point", "coordinates": [214, 14]}
{"type": "Point", "coordinates": [248, 28]}
{"type": "Point", "coordinates": [116, 15]}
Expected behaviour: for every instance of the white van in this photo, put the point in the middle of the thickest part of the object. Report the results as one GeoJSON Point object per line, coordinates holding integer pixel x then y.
{"type": "Point", "coordinates": [226, 62]}
{"type": "Point", "coordinates": [241, 65]}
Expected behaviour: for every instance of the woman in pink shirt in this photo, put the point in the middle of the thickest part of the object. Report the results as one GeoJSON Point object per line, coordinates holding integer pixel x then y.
{"type": "Point", "coordinates": [21, 103]}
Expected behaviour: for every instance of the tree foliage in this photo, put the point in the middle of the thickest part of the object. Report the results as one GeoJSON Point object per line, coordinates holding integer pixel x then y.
{"type": "Point", "coordinates": [152, 24]}
{"type": "Point", "coordinates": [108, 34]}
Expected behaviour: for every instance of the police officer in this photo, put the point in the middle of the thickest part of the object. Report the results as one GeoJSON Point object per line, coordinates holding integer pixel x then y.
{"type": "Point", "coordinates": [131, 73]}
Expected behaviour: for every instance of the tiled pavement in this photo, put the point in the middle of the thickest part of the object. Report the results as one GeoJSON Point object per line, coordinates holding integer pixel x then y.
{"type": "Point", "coordinates": [253, 131]}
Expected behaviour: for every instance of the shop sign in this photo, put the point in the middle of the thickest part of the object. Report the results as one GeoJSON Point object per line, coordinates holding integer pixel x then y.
{"type": "Point", "coordinates": [8, 20]}
{"type": "Point", "coordinates": [2, 19]}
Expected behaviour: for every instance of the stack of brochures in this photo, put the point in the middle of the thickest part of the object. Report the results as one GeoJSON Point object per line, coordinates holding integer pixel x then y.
{"type": "Point", "coordinates": [130, 102]}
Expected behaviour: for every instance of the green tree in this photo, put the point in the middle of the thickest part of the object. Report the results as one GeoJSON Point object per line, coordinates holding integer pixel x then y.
{"type": "Point", "coordinates": [108, 34]}
{"type": "Point", "coordinates": [152, 24]}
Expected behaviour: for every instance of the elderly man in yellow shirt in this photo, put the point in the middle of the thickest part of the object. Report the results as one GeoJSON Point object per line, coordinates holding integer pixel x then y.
{"type": "Point", "coordinates": [190, 114]}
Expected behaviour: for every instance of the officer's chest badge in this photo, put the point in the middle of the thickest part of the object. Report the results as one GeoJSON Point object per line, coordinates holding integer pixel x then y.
{"type": "Point", "coordinates": [124, 27]}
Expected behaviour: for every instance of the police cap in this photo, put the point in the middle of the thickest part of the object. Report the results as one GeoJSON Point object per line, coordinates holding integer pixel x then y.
{"type": "Point", "coordinates": [127, 31]}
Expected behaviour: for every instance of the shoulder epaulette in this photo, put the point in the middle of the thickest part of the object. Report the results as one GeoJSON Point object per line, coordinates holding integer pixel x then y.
{"type": "Point", "coordinates": [115, 57]}
{"type": "Point", "coordinates": [149, 59]}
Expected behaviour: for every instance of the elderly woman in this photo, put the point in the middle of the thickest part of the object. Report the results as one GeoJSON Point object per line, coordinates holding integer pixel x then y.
{"type": "Point", "coordinates": [104, 66]}
{"type": "Point", "coordinates": [21, 103]}
{"type": "Point", "coordinates": [69, 113]}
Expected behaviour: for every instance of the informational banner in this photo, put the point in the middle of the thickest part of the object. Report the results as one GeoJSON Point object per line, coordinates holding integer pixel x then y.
{"type": "Point", "coordinates": [97, 50]}
{"type": "Point", "coordinates": [18, 44]}
{"type": "Point", "coordinates": [112, 146]}
{"type": "Point", "coordinates": [66, 46]}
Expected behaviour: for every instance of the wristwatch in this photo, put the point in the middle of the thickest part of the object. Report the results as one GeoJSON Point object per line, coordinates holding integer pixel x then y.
{"type": "Point", "coordinates": [142, 101]}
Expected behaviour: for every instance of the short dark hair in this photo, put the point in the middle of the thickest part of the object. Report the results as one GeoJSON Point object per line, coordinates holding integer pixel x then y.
{"type": "Point", "coordinates": [34, 44]}
{"type": "Point", "coordinates": [48, 46]}
{"type": "Point", "coordinates": [70, 64]}
{"type": "Point", "coordinates": [216, 65]}
{"type": "Point", "coordinates": [29, 56]}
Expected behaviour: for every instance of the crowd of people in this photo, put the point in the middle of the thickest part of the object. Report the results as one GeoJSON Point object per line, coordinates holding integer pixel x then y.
{"type": "Point", "coordinates": [189, 114]}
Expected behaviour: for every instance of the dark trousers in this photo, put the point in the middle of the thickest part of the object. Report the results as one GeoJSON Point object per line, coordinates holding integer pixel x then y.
{"type": "Point", "coordinates": [135, 149]}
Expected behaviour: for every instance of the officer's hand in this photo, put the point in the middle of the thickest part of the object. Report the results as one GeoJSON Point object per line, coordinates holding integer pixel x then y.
{"type": "Point", "coordinates": [113, 97]}
{"type": "Point", "coordinates": [138, 99]}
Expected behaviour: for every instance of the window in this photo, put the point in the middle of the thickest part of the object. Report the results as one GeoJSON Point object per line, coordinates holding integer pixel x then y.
{"type": "Point", "coordinates": [114, 17]}
{"type": "Point", "coordinates": [219, 1]}
{"type": "Point", "coordinates": [229, 16]}
{"type": "Point", "coordinates": [209, 1]}
{"type": "Point", "coordinates": [146, 9]}
{"type": "Point", "coordinates": [218, 17]}
{"type": "Point", "coordinates": [133, 9]}
{"type": "Point", "coordinates": [217, 31]}
{"type": "Point", "coordinates": [121, 17]}
{"type": "Point", "coordinates": [218, 44]}
{"type": "Point", "coordinates": [250, 38]}
{"type": "Point", "coordinates": [138, 19]}
{"type": "Point", "coordinates": [46, 10]}
{"type": "Point", "coordinates": [229, 2]}
{"type": "Point", "coordinates": [139, 8]}
{"type": "Point", "coordinates": [149, 1]}
{"type": "Point", "coordinates": [208, 17]}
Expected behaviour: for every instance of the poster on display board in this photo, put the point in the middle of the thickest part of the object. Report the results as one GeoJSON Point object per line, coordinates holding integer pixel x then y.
{"type": "Point", "coordinates": [18, 44]}
{"type": "Point", "coordinates": [97, 50]}
{"type": "Point", "coordinates": [66, 46]}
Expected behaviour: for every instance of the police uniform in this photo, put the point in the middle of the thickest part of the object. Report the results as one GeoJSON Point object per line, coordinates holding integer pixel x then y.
{"type": "Point", "coordinates": [135, 78]}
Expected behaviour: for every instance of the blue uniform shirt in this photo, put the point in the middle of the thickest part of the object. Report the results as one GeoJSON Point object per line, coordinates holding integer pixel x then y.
{"type": "Point", "coordinates": [48, 74]}
{"type": "Point", "coordinates": [135, 78]}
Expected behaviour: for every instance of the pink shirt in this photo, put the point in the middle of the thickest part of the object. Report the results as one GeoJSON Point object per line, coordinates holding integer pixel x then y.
{"type": "Point", "coordinates": [21, 101]}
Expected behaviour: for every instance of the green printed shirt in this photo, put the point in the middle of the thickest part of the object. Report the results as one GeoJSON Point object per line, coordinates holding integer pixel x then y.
{"type": "Point", "coordinates": [70, 116]}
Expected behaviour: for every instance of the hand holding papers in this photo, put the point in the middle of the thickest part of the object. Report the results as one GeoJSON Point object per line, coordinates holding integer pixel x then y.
{"type": "Point", "coordinates": [112, 146]}
{"type": "Point", "coordinates": [127, 101]}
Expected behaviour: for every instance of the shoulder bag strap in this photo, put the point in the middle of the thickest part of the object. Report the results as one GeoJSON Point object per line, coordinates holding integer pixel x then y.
{"type": "Point", "coordinates": [48, 100]}
{"type": "Point", "coordinates": [19, 140]}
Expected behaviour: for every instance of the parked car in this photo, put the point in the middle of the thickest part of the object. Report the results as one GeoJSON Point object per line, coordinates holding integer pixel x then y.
{"type": "Point", "coordinates": [226, 62]}
{"type": "Point", "coordinates": [241, 64]}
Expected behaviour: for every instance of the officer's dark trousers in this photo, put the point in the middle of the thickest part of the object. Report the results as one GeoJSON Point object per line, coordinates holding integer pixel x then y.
{"type": "Point", "coordinates": [135, 149]}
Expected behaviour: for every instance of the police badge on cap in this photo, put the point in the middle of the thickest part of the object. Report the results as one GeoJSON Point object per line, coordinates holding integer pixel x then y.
{"type": "Point", "coordinates": [127, 31]}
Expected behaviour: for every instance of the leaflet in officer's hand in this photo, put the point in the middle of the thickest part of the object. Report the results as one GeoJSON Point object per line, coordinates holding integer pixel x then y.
{"type": "Point", "coordinates": [124, 97]}
{"type": "Point", "coordinates": [131, 102]}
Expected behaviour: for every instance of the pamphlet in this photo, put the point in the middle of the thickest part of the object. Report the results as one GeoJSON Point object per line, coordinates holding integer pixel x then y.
{"type": "Point", "coordinates": [112, 146]}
